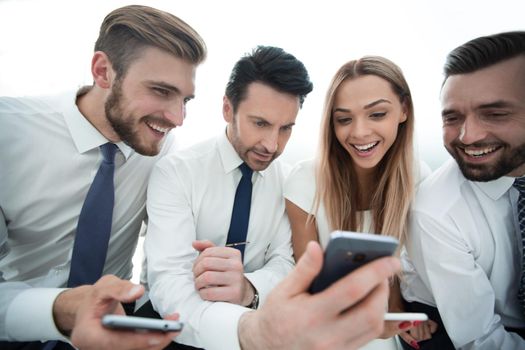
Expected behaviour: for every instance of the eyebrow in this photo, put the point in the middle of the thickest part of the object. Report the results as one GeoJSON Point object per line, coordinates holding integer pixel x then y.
{"type": "Point", "coordinates": [367, 106]}
{"type": "Point", "coordinates": [495, 104]}
{"type": "Point", "coordinates": [254, 117]}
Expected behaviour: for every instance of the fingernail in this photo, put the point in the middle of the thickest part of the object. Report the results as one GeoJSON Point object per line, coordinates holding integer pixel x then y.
{"type": "Point", "coordinates": [405, 324]}
{"type": "Point", "coordinates": [154, 341]}
{"type": "Point", "coordinates": [417, 323]}
{"type": "Point", "coordinates": [134, 290]}
{"type": "Point", "coordinates": [414, 344]}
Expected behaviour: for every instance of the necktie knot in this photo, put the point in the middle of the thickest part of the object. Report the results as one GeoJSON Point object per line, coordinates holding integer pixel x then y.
{"type": "Point", "coordinates": [519, 184]}
{"type": "Point", "coordinates": [108, 152]}
{"type": "Point", "coordinates": [246, 170]}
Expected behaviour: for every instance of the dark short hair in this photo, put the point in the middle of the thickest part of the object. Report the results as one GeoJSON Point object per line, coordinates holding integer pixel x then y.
{"type": "Point", "coordinates": [127, 31]}
{"type": "Point", "coordinates": [484, 51]}
{"type": "Point", "coordinates": [271, 66]}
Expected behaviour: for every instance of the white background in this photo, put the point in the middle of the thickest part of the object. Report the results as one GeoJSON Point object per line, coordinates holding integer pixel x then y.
{"type": "Point", "coordinates": [46, 47]}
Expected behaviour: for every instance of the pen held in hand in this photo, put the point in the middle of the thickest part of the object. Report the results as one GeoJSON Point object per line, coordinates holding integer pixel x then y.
{"type": "Point", "coordinates": [236, 244]}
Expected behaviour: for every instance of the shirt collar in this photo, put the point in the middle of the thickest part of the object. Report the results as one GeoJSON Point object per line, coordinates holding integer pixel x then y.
{"type": "Point", "coordinates": [229, 157]}
{"type": "Point", "coordinates": [495, 188]}
{"type": "Point", "coordinates": [85, 136]}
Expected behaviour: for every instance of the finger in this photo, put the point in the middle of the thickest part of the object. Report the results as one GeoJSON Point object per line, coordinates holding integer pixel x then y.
{"type": "Point", "coordinates": [407, 337]}
{"type": "Point", "coordinates": [300, 278]}
{"type": "Point", "coordinates": [111, 287]}
{"type": "Point", "coordinates": [216, 264]}
{"type": "Point", "coordinates": [221, 252]}
{"type": "Point", "coordinates": [433, 326]}
{"type": "Point", "coordinates": [222, 293]}
{"type": "Point", "coordinates": [350, 289]}
{"type": "Point", "coordinates": [365, 318]}
{"type": "Point", "coordinates": [213, 278]}
{"type": "Point", "coordinates": [202, 245]}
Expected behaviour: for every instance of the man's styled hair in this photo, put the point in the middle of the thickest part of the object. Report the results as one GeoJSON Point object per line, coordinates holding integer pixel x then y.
{"type": "Point", "coordinates": [271, 66]}
{"type": "Point", "coordinates": [483, 52]}
{"type": "Point", "coordinates": [127, 31]}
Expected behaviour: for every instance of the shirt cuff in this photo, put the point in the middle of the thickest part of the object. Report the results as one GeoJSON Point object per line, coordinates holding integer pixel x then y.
{"type": "Point", "coordinates": [218, 327]}
{"type": "Point", "coordinates": [35, 307]}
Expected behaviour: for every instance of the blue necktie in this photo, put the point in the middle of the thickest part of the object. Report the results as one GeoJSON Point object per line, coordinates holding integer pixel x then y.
{"type": "Point", "coordinates": [94, 224]}
{"type": "Point", "coordinates": [93, 230]}
{"type": "Point", "coordinates": [241, 209]}
{"type": "Point", "coordinates": [519, 183]}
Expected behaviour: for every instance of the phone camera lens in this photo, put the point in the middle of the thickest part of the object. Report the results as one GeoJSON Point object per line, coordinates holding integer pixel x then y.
{"type": "Point", "coordinates": [360, 257]}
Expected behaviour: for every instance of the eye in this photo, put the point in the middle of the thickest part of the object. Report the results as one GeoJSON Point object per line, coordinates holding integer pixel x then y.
{"type": "Point", "coordinates": [449, 119]}
{"type": "Point", "coordinates": [377, 115]}
{"type": "Point", "coordinates": [187, 99]}
{"type": "Point", "coordinates": [261, 123]}
{"type": "Point", "coordinates": [287, 128]}
{"type": "Point", "coordinates": [343, 120]}
{"type": "Point", "coordinates": [161, 91]}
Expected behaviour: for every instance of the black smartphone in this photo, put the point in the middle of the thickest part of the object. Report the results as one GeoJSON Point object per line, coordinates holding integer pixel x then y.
{"type": "Point", "coordinates": [347, 251]}
{"type": "Point", "coordinates": [141, 323]}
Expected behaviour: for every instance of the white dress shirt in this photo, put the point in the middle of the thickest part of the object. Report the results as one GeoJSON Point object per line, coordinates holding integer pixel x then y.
{"type": "Point", "coordinates": [465, 246]}
{"type": "Point", "coordinates": [190, 197]}
{"type": "Point", "coordinates": [50, 155]}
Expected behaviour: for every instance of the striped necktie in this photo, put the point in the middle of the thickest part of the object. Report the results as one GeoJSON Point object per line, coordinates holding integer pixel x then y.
{"type": "Point", "coordinates": [519, 184]}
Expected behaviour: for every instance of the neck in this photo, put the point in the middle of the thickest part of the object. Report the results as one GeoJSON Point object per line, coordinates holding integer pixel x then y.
{"type": "Point", "coordinates": [90, 102]}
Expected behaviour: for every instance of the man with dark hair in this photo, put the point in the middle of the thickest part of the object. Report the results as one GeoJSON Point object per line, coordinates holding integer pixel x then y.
{"type": "Point", "coordinates": [468, 221]}
{"type": "Point", "coordinates": [73, 176]}
{"type": "Point", "coordinates": [197, 198]}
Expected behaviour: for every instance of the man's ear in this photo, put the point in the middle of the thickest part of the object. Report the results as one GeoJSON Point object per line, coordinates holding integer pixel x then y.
{"type": "Point", "coordinates": [102, 70]}
{"type": "Point", "coordinates": [227, 109]}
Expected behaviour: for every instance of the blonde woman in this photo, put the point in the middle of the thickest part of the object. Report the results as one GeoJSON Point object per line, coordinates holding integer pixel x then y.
{"type": "Point", "coordinates": [364, 177]}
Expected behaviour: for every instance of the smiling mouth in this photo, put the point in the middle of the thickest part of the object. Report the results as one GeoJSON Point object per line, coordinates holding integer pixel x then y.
{"type": "Point", "coordinates": [158, 128]}
{"type": "Point", "coordinates": [480, 152]}
{"type": "Point", "coordinates": [365, 148]}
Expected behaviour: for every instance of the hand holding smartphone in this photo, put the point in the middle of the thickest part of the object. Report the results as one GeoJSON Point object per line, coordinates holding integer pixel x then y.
{"type": "Point", "coordinates": [141, 323]}
{"type": "Point", "coordinates": [347, 251]}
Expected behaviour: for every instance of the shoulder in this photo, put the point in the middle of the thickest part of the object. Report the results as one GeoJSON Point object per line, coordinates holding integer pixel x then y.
{"type": "Point", "coordinates": [303, 169]}
{"type": "Point", "coordinates": [441, 190]}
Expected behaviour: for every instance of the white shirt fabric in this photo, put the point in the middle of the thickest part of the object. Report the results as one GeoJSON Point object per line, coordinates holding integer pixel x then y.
{"type": "Point", "coordinates": [300, 188]}
{"type": "Point", "coordinates": [190, 197]}
{"type": "Point", "coordinates": [50, 155]}
{"type": "Point", "coordinates": [465, 245]}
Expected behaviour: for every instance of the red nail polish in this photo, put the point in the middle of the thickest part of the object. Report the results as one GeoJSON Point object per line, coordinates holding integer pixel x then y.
{"type": "Point", "coordinates": [417, 323]}
{"type": "Point", "coordinates": [414, 344]}
{"type": "Point", "coordinates": [405, 324]}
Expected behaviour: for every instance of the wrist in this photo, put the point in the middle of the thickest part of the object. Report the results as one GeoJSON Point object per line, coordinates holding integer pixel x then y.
{"type": "Point", "coordinates": [251, 296]}
{"type": "Point", "coordinates": [65, 308]}
{"type": "Point", "coordinates": [248, 331]}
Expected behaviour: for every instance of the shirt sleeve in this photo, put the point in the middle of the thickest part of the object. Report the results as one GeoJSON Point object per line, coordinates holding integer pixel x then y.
{"type": "Point", "coordinates": [460, 287]}
{"type": "Point", "coordinates": [278, 261]}
{"type": "Point", "coordinates": [20, 304]}
{"type": "Point", "coordinates": [170, 256]}
{"type": "Point", "coordinates": [299, 187]}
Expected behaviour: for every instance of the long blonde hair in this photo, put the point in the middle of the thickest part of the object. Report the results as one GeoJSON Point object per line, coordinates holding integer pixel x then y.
{"type": "Point", "coordinates": [336, 177]}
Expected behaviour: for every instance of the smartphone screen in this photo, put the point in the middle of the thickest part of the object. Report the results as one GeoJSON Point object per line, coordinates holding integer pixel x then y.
{"type": "Point", "coordinates": [347, 251]}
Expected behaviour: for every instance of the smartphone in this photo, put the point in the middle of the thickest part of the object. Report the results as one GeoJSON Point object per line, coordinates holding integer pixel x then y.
{"type": "Point", "coordinates": [405, 316]}
{"type": "Point", "coordinates": [347, 251]}
{"type": "Point", "coordinates": [141, 323]}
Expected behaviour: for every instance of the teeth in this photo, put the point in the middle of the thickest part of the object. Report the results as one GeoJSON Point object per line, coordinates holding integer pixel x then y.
{"type": "Point", "coordinates": [363, 148]}
{"type": "Point", "coordinates": [479, 152]}
{"type": "Point", "coordinates": [158, 128]}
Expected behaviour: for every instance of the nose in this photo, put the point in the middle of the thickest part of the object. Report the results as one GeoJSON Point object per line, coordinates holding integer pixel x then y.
{"type": "Point", "coordinates": [271, 141]}
{"type": "Point", "coordinates": [360, 128]}
{"type": "Point", "coordinates": [472, 130]}
{"type": "Point", "coordinates": [176, 113]}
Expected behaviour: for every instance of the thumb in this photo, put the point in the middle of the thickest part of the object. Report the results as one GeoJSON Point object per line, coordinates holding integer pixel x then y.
{"type": "Point", "coordinates": [202, 245]}
{"type": "Point", "coordinates": [308, 266]}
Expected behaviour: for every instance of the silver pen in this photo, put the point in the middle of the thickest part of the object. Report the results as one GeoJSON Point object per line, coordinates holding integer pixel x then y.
{"type": "Point", "coordinates": [236, 244]}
